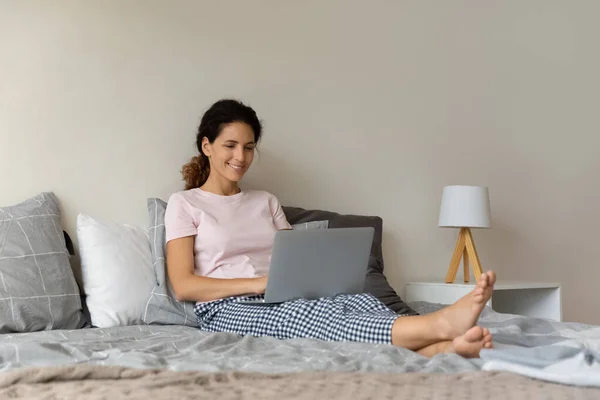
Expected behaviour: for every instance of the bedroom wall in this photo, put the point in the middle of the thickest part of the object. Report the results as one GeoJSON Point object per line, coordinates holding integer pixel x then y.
{"type": "Point", "coordinates": [369, 107]}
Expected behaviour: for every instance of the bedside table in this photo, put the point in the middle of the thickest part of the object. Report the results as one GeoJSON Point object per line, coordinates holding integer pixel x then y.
{"type": "Point", "coordinates": [530, 299]}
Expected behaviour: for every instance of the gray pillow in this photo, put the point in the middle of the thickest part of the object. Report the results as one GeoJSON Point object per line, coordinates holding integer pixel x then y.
{"type": "Point", "coordinates": [37, 287]}
{"type": "Point", "coordinates": [311, 225]}
{"type": "Point", "coordinates": [162, 307]}
{"type": "Point", "coordinates": [376, 283]}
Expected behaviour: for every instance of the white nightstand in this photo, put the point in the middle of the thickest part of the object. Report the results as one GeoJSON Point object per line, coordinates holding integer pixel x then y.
{"type": "Point", "coordinates": [531, 299]}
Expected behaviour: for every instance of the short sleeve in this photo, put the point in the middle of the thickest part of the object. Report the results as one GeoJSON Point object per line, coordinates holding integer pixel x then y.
{"type": "Point", "coordinates": [279, 218]}
{"type": "Point", "coordinates": [179, 221]}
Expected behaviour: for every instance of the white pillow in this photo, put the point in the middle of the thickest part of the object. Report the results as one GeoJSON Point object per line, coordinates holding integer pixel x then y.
{"type": "Point", "coordinates": [116, 267]}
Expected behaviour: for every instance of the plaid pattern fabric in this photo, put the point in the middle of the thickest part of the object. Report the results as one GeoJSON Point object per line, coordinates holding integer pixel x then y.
{"type": "Point", "coordinates": [37, 288]}
{"type": "Point", "coordinates": [358, 318]}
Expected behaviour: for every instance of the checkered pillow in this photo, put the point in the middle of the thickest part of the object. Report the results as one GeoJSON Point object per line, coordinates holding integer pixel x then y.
{"type": "Point", "coordinates": [37, 287]}
{"type": "Point", "coordinates": [162, 307]}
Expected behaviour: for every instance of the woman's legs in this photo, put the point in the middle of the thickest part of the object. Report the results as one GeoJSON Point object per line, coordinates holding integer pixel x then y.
{"type": "Point", "coordinates": [418, 332]}
{"type": "Point", "coordinates": [357, 318]}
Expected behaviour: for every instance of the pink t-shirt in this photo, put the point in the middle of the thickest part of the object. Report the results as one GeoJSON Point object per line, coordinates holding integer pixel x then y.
{"type": "Point", "coordinates": [234, 234]}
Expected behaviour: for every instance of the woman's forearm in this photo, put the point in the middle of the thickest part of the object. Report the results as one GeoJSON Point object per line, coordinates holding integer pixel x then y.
{"type": "Point", "coordinates": [201, 288]}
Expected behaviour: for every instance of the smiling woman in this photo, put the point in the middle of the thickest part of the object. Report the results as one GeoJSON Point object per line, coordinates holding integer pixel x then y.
{"type": "Point", "coordinates": [231, 153]}
{"type": "Point", "coordinates": [227, 136]}
{"type": "Point", "coordinates": [219, 237]}
{"type": "Point", "coordinates": [219, 244]}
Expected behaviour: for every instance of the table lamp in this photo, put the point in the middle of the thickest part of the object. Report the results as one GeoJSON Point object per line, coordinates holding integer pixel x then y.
{"type": "Point", "coordinates": [465, 207]}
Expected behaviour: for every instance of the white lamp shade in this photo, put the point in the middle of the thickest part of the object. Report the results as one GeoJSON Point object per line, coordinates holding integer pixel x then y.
{"type": "Point", "coordinates": [465, 206]}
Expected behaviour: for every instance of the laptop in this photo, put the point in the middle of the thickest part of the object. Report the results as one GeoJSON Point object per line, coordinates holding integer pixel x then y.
{"type": "Point", "coordinates": [316, 263]}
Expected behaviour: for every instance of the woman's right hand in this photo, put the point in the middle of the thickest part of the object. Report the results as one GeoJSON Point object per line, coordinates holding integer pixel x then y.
{"type": "Point", "coordinates": [261, 284]}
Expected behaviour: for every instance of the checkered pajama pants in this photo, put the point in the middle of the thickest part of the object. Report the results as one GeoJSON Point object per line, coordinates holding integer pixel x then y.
{"type": "Point", "coordinates": [359, 318]}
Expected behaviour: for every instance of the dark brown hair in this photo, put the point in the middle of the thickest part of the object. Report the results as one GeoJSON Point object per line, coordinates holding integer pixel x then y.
{"type": "Point", "coordinates": [223, 112]}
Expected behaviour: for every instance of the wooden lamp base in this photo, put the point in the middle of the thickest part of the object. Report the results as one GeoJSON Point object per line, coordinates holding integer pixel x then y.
{"type": "Point", "coordinates": [465, 249]}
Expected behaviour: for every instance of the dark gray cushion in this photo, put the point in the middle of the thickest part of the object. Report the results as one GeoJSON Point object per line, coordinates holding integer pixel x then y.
{"type": "Point", "coordinates": [37, 287]}
{"type": "Point", "coordinates": [376, 283]}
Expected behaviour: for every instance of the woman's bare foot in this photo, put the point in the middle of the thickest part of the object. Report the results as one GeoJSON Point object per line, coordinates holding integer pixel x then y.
{"type": "Point", "coordinates": [470, 344]}
{"type": "Point", "coordinates": [458, 318]}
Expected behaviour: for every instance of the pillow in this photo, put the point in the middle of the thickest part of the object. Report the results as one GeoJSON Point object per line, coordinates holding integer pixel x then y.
{"type": "Point", "coordinates": [311, 225]}
{"type": "Point", "coordinates": [37, 287]}
{"type": "Point", "coordinates": [162, 306]}
{"type": "Point", "coordinates": [116, 267]}
{"type": "Point", "coordinates": [376, 283]}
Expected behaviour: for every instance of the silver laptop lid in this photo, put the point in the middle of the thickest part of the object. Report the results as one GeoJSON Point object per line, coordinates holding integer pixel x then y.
{"type": "Point", "coordinates": [318, 263]}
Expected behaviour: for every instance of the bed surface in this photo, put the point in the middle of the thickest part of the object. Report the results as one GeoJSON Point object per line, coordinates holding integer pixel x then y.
{"type": "Point", "coordinates": [181, 348]}
{"type": "Point", "coordinates": [110, 383]}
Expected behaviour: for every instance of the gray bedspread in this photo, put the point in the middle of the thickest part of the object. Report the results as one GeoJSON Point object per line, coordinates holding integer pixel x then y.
{"type": "Point", "coordinates": [181, 348]}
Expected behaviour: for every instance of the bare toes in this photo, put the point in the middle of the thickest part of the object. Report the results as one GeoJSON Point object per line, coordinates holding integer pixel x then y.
{"type": "Point", "coordinates": [474, 334]}
{"type": "Point", "coordinates": [488, 279]}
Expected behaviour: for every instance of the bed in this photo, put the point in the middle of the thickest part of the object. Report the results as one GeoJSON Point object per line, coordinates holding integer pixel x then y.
{"type": "Point", "coordinates": [166, 356]}
{"type": "Point", "coordinates": [174, 358]}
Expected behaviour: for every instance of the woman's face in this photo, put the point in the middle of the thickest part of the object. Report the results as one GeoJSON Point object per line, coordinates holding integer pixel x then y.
{"type": "Point", "coordinates": [232, 151]}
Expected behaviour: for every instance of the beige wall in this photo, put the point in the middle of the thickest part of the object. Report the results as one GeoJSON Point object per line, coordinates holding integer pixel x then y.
{"type": "Point", "coordinates": [369, 107]}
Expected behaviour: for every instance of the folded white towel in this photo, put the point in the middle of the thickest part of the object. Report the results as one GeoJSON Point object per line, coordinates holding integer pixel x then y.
{"type": "Point", "coordinates": [566, 365]}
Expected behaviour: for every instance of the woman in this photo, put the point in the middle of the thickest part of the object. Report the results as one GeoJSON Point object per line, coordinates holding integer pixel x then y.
{"type": "Point", "coordinates": [219, 242]}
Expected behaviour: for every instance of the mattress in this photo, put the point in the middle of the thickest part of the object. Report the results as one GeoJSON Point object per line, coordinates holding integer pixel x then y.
{"type": "Point", "coordinates": [179, 348]}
